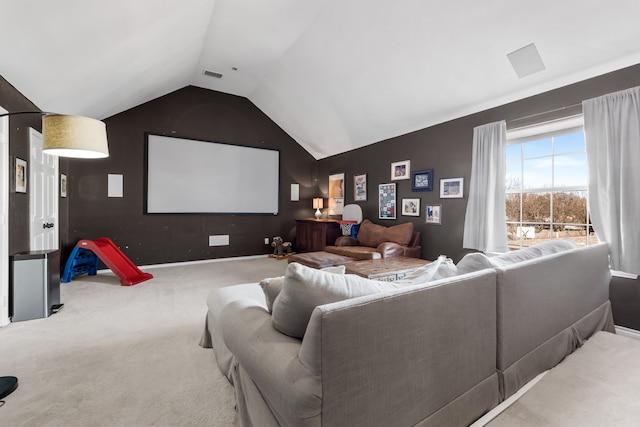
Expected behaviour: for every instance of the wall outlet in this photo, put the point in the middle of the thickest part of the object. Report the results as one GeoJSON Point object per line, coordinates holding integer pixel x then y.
{"type": "Point", "coordinates": [219, 240]}
{"type": "Point", "coordinates": [266, 240]}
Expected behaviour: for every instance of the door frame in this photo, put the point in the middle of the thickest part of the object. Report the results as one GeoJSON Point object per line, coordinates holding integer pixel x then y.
{"type": "Point", "coordinates": [5, 169]}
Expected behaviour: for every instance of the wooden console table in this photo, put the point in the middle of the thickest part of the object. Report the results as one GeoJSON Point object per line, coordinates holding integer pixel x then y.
{"type": "Point", "coordinates": [386, 269]}
{"type": "Point", "coordinates": [314, 234]}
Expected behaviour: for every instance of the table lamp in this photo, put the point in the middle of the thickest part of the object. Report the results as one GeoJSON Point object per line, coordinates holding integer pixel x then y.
{"type": "Point", "coordinates": [317, 205]}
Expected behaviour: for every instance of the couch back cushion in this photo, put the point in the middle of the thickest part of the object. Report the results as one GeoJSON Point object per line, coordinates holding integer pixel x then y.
{"type": "Point", "coordinates": [477, 260]}
{"type": "Point", "coordinates": [372, 235]}
{"type": "Point", "coordinates": [306, 288]}
{"type": "Point", "coordinates": [545, 306]}
{"type": "Point", "coordinates": [421, 355]}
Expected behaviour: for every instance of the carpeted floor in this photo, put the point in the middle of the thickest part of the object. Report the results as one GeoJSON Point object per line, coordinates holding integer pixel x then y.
{"type": "Point", "coordinates": [125, 356]}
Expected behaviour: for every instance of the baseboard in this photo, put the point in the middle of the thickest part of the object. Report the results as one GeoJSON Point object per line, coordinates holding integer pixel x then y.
{"type": "Point", "coordinates": [628, 332]}
{"type": "Point", "coordinates": [202, 261]}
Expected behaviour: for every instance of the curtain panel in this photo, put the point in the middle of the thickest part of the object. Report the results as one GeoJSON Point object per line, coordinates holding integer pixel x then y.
{"type": "Point", "coordinates": [612, 138]}
{"type": "Point", "coordinates": [485, 224]}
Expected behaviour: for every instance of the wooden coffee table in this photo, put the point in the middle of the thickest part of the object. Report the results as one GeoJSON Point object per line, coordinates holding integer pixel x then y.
{"type": "Point", "coordinates": [387, 269]}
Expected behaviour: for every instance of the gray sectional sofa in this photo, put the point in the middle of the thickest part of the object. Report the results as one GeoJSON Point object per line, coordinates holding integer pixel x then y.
{"type": "Point", "coordinates": [318, 348]}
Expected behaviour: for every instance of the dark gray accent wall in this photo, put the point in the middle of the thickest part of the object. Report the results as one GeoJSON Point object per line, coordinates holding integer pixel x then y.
{"type": "Point", "coordinates": [191, 113]}
{"type": "Point", "coordinates": [447, 148]}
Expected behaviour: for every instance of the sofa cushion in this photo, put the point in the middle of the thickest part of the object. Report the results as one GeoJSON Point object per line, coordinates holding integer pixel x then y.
{"type": "Point", "coordinates": [359, 253]}
{"type": "Point", "coordinates": [372, 235]}
{"type": "Point", "coordinates": [306, 288]}
{"type": "Point", "coordinates": [441, 268]}
{"type": "Point", "coordinates": [272, 286]}
{"type": "Point", "coordinates": [478, 261]}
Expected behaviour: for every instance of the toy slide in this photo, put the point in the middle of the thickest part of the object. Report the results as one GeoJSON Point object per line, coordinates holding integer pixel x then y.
{"type": "Point", "coordinates": [113, 258]}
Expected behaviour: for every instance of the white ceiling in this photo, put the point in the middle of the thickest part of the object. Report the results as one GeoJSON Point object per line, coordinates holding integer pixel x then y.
{"type": "Point", "coordinates": [335, 74]}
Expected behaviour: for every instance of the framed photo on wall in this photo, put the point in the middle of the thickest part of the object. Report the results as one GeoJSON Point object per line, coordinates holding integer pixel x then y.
{"type": "Point", "coordinates": [387, 201]}
{"type": "Point", "coordinates": [400, 170]}
{"type": "Point", "coordinates": [434, 214]}
{"type": "Point", "coordinates": [360, 187]}
{"type": "Point", "coordinates": [336, 194]}
{"type": "Point", "coordinates": [452, 188]}
{"type": "Point", "coordinates": [63, 185]}
{"type": "Point", "coordinates": [411, 207]}
{"type": "Point", "coordinates": [21, 175]}
{"type": "Point", "coordinates": [422, 180]}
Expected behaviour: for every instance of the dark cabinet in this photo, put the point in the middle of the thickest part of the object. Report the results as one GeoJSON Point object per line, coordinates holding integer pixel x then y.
{"type": "Point", "coordinates": [314, 234]}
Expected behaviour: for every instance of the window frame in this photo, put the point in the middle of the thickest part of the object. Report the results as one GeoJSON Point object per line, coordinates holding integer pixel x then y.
{"type": "Point", "coordinates": [535, 132]}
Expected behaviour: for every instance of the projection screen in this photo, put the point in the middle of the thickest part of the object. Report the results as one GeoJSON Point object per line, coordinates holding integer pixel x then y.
{"type": "Point", "coordinates": [191, 176]}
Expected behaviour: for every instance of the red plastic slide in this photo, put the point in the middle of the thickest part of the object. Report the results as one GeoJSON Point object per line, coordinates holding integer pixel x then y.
{"type": "Point", "coordinates": [118, 262]}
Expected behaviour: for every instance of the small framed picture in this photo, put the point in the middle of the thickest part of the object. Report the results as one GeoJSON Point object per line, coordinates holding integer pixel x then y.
{"type": "Point", "coordinates": [452, 188]}
{"type": "Point", "coordinates": [63, 185]}
{"type": "Point", "coordinates": [387, 201]}
{"type": "Point", "coordinates": [401, 170]}
{"type": "Point", "coordinates": [422, 180]}
{"type": "Point", "coordinates": [434, 214]}
{"type": "Point", "coordinates": [411, 207]}
{"type": "Point", "coordinates": [360, 187]}
{"type": "Point", "coordinates": [336, 194]}
{"type": "Point", "coordinates": [21, 175]}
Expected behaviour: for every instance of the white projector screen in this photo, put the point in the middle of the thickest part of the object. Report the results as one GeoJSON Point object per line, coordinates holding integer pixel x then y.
{"type": "Point", "coordinates": [189, 176]}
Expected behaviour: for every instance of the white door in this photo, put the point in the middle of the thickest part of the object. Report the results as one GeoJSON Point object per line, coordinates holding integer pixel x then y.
{"type": "Point", "coordinates": [4, 219]}
{"type": "Point", "coordinates": [43, 191]}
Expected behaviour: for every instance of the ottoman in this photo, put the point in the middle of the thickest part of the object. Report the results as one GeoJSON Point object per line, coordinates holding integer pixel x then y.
{"type": "Point", "coordinates": [320, 259]}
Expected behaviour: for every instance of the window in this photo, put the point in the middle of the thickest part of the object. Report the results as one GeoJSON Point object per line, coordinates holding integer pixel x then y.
{"type": "Point", "coordinates": [547, 184]}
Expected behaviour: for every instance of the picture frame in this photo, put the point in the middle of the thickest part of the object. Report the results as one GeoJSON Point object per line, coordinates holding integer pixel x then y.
{"type": "Point", "coordinates": [411, 207]}
{"type": "Point", "coordinates": [21, 175]}
{"type": "Point", "coordinates": [452, 188]}
{"type": "Point", "coordinates": [401, 170]}
{"type": "Point", "coordinates": [336, 194]}
{"type": "Point", "coordinates": [63, 185]}
{"type": "Point", "coordinates": [422, 180]}
{"type": "Point", "coordinates": [433, 214]}
{"type": "Point", "coordinates": [360, 187]}
{"type": "Point", "coordinates": [387, 201]}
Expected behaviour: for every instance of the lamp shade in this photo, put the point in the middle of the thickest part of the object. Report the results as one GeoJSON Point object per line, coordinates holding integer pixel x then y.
{"type": "Point", "coordinates": [317, 203]}
{"type": "Point", "coordinates": [74, 136]}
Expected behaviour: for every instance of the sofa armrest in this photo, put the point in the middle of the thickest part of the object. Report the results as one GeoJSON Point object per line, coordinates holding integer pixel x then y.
{"type": "Point", "coordinates": [292, 392]}
{"type": "Point", "coordinates": [390, 250]}
{"type": "Point", "coordinates": [413, 252]}
{"type": "Point", "coordinates": [347, 241]}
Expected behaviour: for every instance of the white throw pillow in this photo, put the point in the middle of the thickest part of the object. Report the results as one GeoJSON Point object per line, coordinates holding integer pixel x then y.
{"type": "Point", "coordinates": [474, 262]}
{"type": "Point", "coordinates": [441, 268]}
{"type": "Point", "coordinates": [272, 286]}
{"type": "Point", "coordinates": [306, 288]}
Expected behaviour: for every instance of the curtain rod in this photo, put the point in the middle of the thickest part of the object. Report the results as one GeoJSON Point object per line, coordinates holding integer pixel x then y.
{"type": "Point", "coordinates": [566, 107]}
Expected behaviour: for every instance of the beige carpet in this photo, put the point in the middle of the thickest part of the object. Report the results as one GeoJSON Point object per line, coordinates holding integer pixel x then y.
{"type": "Point", "coordinates": [125, 356]}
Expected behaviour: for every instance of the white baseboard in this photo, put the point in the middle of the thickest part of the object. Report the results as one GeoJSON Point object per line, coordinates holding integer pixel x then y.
{"type": "Point", "coordinates": [628, 332]}
{"type": "Point", "coordinates": [203, 261]}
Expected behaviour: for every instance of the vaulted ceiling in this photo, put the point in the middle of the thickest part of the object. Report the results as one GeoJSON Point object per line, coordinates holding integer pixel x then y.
{"type": "Point", "coordinates": [334, 74]}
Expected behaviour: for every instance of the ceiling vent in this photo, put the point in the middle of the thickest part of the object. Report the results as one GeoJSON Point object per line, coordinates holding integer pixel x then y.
{"type": "Point", "coordinates": [526, 60]}
{"type": "Point", "coordinates": [212, 74]}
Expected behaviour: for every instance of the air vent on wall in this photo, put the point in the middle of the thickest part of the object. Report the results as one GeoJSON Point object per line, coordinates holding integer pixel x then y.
{"type": "Point", "coordinates": [212, 74]}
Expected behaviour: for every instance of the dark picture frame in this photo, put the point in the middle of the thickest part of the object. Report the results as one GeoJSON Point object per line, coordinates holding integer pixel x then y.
{"type": "Point", "coordinates": [422, 180]}
{"type": "Point", "coordinates": [387, 201]}
{"type": "Point", "coordinates": [360, 187]}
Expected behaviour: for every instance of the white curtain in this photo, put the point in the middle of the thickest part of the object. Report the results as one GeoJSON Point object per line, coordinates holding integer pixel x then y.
{"type": "Point", "coordinates": [612, 137]}
{"type": "Point", "coordinates": [485, 224]}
